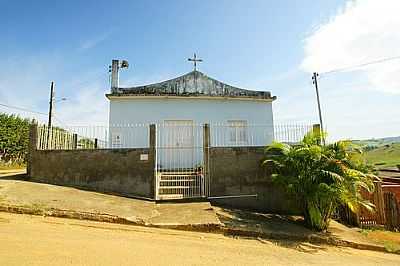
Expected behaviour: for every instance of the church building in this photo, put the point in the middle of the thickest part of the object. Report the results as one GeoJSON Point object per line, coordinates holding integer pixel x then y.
{"type": "Point", "coordinates": [179, 107]}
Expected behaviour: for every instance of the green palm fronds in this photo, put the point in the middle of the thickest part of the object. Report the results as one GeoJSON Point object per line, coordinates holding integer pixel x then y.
{"type": "Point", "coordinates": [321, 177]}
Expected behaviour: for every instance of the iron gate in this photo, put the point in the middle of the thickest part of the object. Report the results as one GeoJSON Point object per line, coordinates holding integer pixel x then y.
{"type": "Point", "coordinates": [180, 161]}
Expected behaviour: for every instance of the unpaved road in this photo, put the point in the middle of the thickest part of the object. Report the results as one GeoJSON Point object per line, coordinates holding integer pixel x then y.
{"type": "Point", "coordinates": [35, 240]}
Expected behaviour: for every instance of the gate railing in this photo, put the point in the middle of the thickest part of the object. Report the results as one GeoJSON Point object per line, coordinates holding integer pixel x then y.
{"type": "Point", "coordinates": [180, 165]}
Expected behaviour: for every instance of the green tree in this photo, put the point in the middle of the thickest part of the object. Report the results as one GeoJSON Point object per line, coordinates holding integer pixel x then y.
{"type": "Point", "coordinates": [14, 138]}
{"type": "Point", "coordinates": [86, 143]}
{"type": "Point", "coordinates": [321, 177]}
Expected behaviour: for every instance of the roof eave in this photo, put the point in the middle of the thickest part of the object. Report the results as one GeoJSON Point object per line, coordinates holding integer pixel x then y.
{"type": "Point", "coordinates": [111, 96]}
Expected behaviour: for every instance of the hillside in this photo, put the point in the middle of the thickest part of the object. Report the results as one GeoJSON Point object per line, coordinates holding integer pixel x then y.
{"type": "Point", "coordinates": [375, 143]}
{"type": "Point", "coordinates": [386, 155]}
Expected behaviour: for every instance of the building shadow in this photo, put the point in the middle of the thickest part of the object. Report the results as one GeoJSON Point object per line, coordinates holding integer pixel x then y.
{"type": "Point", "coordinates": [282, 230]}
{"type": "Point", "coordinates": [14, 176]}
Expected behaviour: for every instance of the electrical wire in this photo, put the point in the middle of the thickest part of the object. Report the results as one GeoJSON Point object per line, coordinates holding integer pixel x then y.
{"type": "Point", "coordinates": [31, 111]}
{"type": "Point", "coordinates": [360, 65]}
{"type": "Point", "coordinates": [96, 78]}
{"type": "Point", "coordinates": [22, 109]}
{"type": "Point", "coordinates": [59, 121]}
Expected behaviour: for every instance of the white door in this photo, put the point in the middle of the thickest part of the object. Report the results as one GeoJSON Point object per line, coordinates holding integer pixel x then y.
{"type": "Point", "coordinates": [176, 145]}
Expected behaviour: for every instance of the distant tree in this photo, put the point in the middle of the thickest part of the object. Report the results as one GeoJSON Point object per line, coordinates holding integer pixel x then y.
{"type": "Point", "coordinates": [86, 143]}
{"type": "Point", "coordinates": [14, 138]}
{"type": "Point", "coordinates": [370, 147]}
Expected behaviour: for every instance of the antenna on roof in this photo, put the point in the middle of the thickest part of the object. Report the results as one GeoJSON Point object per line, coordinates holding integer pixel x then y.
{"type": "Point", "coordinates": [114, 70]}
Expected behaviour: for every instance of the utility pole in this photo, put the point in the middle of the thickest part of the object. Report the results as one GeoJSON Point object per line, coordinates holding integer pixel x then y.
{"type": "Point", "coordinates": [51, 102]}
{"type": "Point", "coordinates": [315, 82]}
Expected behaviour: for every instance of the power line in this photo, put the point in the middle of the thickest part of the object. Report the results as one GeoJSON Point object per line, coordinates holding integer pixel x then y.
{"type": "Point", "coordinates": [360, 65]}
{"type": "Point", "coordinates": [31, 111]}
{"type": "Point", "coordinates": [22, 109]}
{"type": "Point", "coordinates": [59, 121]}
{"type": "Point", "coordinates": [95, 79]}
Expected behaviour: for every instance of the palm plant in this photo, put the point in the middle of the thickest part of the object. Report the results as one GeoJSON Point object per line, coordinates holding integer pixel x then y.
{"type": "Point", "coordinates": [320, 177]}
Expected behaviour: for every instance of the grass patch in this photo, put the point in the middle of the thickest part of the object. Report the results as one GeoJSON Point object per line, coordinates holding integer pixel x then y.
{"type": "Point", "coordinates": [365, 232]}
{"type": "Point", "coordinates": [390, 240]}
{"type": "Point", "coordinates": [11, 166]}
{"type": "Point", "coordinates": [391, 246]}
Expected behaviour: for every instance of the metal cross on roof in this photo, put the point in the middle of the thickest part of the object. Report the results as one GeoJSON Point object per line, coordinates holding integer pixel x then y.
{"type": "Point", "coordinates": [195, 60]}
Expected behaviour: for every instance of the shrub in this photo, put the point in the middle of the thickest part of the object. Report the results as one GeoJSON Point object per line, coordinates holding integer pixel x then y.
{"type": "Point", "coordinates": [14, 138]}
{"type": "Point", "coordinates": [320, 177]}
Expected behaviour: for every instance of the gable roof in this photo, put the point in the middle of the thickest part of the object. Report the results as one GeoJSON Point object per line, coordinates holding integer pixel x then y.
{"type": "Point", "coordinates": [194, 83]}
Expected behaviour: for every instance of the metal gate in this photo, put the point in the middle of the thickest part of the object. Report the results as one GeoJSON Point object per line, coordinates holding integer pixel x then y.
{"type": "Point", "coordinates": [180, 163]}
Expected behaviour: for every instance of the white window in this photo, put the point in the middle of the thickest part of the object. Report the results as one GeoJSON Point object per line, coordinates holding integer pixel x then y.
{"type": "Point", "coordinates": [237, 131]}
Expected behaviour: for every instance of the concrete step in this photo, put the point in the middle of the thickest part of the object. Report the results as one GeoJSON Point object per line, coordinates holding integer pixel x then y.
{"type": "Point", "coordinates": [179, 180]}
{"type": "Point", "coordinates": [176, 196]}
{"type": "Point", "coordinates": [178, 174]}
{"type": "Point", "coordinates": [180, 187]}
{"type": "Point", "coordinates": [170, 196]}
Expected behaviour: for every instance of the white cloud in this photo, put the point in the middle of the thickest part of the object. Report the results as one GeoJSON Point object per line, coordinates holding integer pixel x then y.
{"type": "Point", "coordinates": [25, 82]}
{"type": "Point", "coordinates": [132, 81]}
{"type": "Point", "coordinates": [92, 42]}
{"type": "Point", "coordinates": [88, 106]}
{"type": "Point", "coordinates": [363, 31]}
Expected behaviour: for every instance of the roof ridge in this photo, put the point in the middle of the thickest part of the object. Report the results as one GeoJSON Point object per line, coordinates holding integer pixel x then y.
{"type": "Point", "coordinates": [168, 80]}
{"type": "Point", "coordinates": [192, 83]}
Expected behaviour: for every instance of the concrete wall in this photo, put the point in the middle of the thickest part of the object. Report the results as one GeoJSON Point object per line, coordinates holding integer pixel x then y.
{"type": "Point", "coordinates": [233, 171]}
{"type": "Point", "coordinates": [237, 171]}
{"type": "Point", "coordinates": [119, 171]}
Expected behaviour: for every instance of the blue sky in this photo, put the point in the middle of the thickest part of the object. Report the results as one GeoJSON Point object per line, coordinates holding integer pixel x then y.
{"type": "Point", "coordinates": [264, 45]}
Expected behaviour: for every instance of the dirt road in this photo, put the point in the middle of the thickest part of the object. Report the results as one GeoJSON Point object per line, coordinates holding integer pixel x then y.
{"type": "Point", "coordinates": [35, 240]}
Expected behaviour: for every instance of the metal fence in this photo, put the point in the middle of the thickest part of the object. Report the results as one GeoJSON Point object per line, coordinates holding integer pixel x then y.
{"type": "Point", "coordinates": [54, 138]}
{"type": "Point", "coordinates": [233, 134]}
{"type": "Point", "coordinates": [93, 137]}
{"type": "Point", "coordinates": [241, 134]}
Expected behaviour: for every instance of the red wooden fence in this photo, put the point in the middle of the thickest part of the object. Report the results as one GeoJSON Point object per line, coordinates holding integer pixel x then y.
{"type": "Point", "coordinates": [368, 218]}
{"type": "Point", "coordinates": [387, 210]}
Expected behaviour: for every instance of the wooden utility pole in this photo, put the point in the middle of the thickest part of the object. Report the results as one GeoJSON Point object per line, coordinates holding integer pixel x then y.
{"type": "Point", "coordinates": [51, 102]}
{"type": "Point", "coordinates": [315, 82]}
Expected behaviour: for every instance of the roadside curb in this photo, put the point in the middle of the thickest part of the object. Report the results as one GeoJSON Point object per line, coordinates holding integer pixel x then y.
{"type": "Point", "coordinates": [99, 217]}
{"type": "Point", "coordinates": [314, 239]}
{"type": "Point", "coordinates": [206, 228]}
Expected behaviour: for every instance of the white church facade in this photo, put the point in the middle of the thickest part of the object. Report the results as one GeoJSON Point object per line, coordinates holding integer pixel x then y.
{"type": "Point", "coordinates": [180, 106]}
